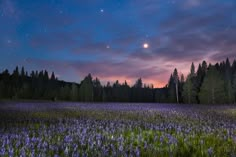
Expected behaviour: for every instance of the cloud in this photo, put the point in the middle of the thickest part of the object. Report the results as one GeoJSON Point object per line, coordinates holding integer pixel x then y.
{"type": "Point", "coordinates": [9, 9]}
{"type": "Point", "coordinates": [109, 45]}
{"type": "Point", "coordinates": [187, 36]}
{"type": "Point", "coordinates": [106, 70]}
{"type": "Point", "coordinates": [54, 41]}
{"type": "Point", "coordinates": [192, 3]}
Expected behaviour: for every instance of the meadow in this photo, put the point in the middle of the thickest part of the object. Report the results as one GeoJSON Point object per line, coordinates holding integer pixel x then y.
{"type": "Point", "coordinates": [117, 129]}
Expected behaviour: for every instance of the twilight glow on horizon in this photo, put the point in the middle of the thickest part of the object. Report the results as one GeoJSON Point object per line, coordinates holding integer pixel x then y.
{"type": "Point", "coordinates": [116, 39]}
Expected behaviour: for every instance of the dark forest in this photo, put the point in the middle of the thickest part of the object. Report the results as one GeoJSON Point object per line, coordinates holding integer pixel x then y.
{"type": "Point", "coordinates": [206, 84]}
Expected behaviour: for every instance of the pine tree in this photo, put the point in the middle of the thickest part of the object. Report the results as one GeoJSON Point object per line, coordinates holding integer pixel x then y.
{"type": "Point", "coordinates": [176, 81]}
{"type": "Point", "coordinates": [161, 95]}
{"type": "Point", "coordinates": [97, 88]}
{"type": "Point", "coordinates": [24, 92]}
{"type": "Point", "coordinates": [22, 72]}
{"type": "Point", "coordinates": [212, 90]}
{"type": "Point", "coordinates": [16, 72]}
{"type": "Point", "coordinates": [201, 72]}
{"type": "Point", "coordinates": [45, 75]}
{"type": "Point", "coordinates": [86, 89]}
{"type": "Point", "coordinates": [228, 83]}
{"type": "Point", "coordinates": [234, 86]}
{"type": "Point", "coordinates": [116, 92]}
{"type": "Point", "coordinates": [192, 71]}
{"type": "Point", "coordinates": [138, 83]}
{"type": "Point", "coordinates": [233, 68]}
{"type": "Point", "coordinates": [53, 76]}
{"type": "Point", "coordinates": [181, 88]}
{"type": "Point", "coordinates": [171, 90]}
{"type": "Point", "coordinates": [107, 93]}
{"type": "Point", "coordinates": [1, 89]}
{"type": "Point", "coordinates": [136, 92]}
{"type": "Point", "coordinates": [32, 74]}
{"type": "Point", "coordinates": [189, 89]}
{"type": "Point", "coordinates": [74, 92]}
{"type": "Point", "coordinates": [204, 67]}
{"type": "Point", "coordinates": [125, 92]}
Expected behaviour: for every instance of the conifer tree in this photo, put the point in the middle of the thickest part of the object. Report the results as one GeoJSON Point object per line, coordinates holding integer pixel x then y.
{"type": "Point", "coordinates": [176, 81]}
{"type": "Point", "coordinates": [192, 70]}
{"type": "Point", "coordinates": [22, 72]}
{"type": "Point", "coordinates": [97, 88]}
{"type": "Point", "coordinates": [234, 86]}
{"type": "Point", "coordinates": [189, 90]}
{"type": "Point", "coordinates": [1, 89]}
{"type": "Point", "coordinates": [74, 92]}
{"type": "Point", "coordinates": [212, 90]}
{"type": "Point", "coordinates": [171, 90]}
{"type": "Point", "coordinates": [16, 72]}
{"type": "Point", "coordinates": [86, 89]}
{"type": "Point", "coordinates": [228, 82]}
{"type": "Point", "coordinates": [53, 76]}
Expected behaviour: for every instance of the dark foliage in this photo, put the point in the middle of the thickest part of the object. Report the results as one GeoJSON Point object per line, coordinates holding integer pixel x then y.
{"type": "Point", "coordinates": [208, 84]}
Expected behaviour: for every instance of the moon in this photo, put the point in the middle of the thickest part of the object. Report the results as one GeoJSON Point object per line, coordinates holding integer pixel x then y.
{"type": "Point", "coordinates": [145, 45]}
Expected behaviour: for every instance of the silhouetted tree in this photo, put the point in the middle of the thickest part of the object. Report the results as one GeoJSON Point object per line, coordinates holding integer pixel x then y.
{"type": "Point", "coordinates": [125, 92]}
{"type": "Point", "coordinates": [171, 90]}
{"type": "Point", "coordinates": [23, 72]}
{"type": "Point", "coordinates": [190, 89]}
{"type": "Point", "coordinates": [136, 92]}
{"type": "Point", "coordinates": [176, 81]}
{"type": "Point", "coordinates": [228, 82]}
{"type": "Point", "coordinates": [107, 93]}
{"type": "Point", "coordinates": [86, 89]}
{"type": "Point", "coordinates": [64, 92]}
{"type": "Point", "coordinates": [74, 92]}
{"type": "Point", "coordinates": [16, 72]}
{"type": "Point", "coordinates": [212, 90]}
{"type": "Point", "coordinates": [161, 95]}
{"type": "Point", "coordinates": [1, 89]}
{"type": "Point", "coordinates": [234, 86]}
{"type": "Point", "coordinates": [97, 88]}
{"type": "Point", "coordinates": [53, 78]}
{"type": "Point", "coordinates": [210, 84]}
{"type": "Point", "coordinates": [138, 83]}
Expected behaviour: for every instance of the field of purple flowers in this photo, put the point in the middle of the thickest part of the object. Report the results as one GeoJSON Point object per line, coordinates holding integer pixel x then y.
{"type": "Point", "coordinates": [117, 129]}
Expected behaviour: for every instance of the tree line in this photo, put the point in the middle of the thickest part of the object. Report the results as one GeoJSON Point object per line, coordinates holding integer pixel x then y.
{"type": "Point", "coordinates": [39, 85]}
{"type": "Point", "coordinates": [209, 84]}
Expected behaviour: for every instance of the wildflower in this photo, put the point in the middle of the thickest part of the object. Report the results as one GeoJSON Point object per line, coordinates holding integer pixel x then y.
{"type": "Point", "coordinates": [210, 151]}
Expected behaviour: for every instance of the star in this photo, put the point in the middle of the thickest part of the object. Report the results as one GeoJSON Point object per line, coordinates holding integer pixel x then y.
{"type": "Point", "coordinates": [101, 10]}
{"type": "Point", "coordinates": [108, 47]}
{"type": "Point", "coordinates": [9, 41]}
{"type": "Point", "coordinates": [145, 45]}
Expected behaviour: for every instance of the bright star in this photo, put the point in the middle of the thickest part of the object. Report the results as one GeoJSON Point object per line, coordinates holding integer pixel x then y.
{"type": "Point", "coordinates": [145, 45]}
{"type": "Point", "coordinates": [101, 10]}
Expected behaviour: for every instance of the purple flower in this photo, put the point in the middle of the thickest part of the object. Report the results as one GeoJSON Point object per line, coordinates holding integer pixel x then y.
{"type": "Point", "coordinates": [210, 151]}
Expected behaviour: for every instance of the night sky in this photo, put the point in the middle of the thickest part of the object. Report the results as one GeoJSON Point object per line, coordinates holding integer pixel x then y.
{"type": "Point", "coordinates": [116, 39]}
